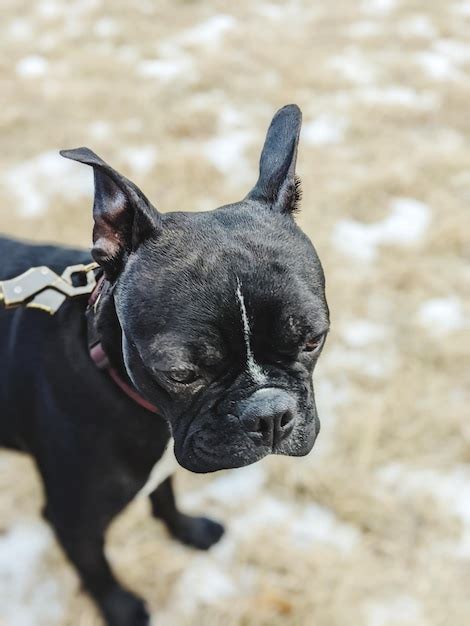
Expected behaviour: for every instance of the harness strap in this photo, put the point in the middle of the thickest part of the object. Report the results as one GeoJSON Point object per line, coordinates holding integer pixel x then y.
{"type": "Point", "coordinates": [100, 359]}
{"type": "Point", "coordinates": [98, 354]}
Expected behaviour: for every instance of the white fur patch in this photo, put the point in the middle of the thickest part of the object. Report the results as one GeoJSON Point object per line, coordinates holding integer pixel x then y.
{"type": "Point", "coordinates": [163, 468]}
{"type": "Point", "coordinates": [254, 369]}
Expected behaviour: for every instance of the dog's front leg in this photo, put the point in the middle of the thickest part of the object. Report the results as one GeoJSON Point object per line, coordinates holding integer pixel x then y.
{"type": "Point", "coordinates": [84, 546]}
{"type": "Point", "coordinates": [199, 532]}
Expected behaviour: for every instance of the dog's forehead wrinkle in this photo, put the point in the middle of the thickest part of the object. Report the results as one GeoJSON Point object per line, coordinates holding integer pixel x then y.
{"type": "Point", "coordinates": [169, 346]}
{"type": "Point", "coordinates": [208, 352]}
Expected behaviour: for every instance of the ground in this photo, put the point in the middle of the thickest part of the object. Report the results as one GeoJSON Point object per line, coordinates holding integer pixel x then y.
{"type": "Point", "coordinates": [373, 528]}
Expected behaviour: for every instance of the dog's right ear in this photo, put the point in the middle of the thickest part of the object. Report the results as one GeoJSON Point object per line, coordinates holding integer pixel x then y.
{"type": "Point", "coordinates": [123, 216]}
{"type": "Point", "coordinates": [277, 186]}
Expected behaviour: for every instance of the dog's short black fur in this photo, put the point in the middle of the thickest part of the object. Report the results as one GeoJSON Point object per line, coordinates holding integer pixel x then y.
{"type": "Point", "coordinates": [217, 318]}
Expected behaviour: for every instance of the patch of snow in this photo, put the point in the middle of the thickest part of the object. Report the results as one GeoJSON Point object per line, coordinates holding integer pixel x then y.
{"type": "Point", "coordinates": [48, 41]}
{"type": "Point", "coordinates": [270, 10]}
{"type": "Point", "coordinates": [378, 7]}
{"type": "Point", "coordinates": [457, 51]}
{"type": "Point", "coordinates": [260, 512]}
{"type": "Point", "coordinates": [437, 66]}
{"type": "Point", "coordinates": [226, 150]}
{"type": "Point", "coordinates": [376, 362]}
{"type": "Point", "coordinates": [462, 8]}
{"type": "Point", "coordinates": [302, 524]}
{"type": "Point", "coordinates": [141, 159]}
{"type": "Point", "coordinates": [106, 27]}
{"type": "Point", "coordinates": [365, 29]}
{"type": "Point", "coordinates": [208, 33]}
{"type": "Point", "coordinates": [400, 96]}
{"type": "Point", "coordinates": [174, 61]}
{"type": "Point", "coordinates": [46, 175]}
{"type": "Point", "coordinates": [203, 582]}
{"type": "Point", "coordinates": [265, 512]}
{"type": "Point", "coordinates": [133, 125]}
{"type": "Point", "coordinates": [80, 7]}
{"type": "Point", "coordinates": [418, 26]}
{"type": "Point", "coordinates": [52, 9]}
{"type": "Point", "coordinates": [402, 610]}
{"type": "Point", "coordinates": [236, 486]}
{"type": "Point", "coordinates": [26, 597]}
{"type": "Point", "coordinates": [325, 129]}
{"type": "Point", "coordinates": [166, 69]}
{"type": "Point", "coordinates": [284, 10]}
{"type": "Point", "coordinates": [99, 129]}
{"type": "Point", "coordinates": [329, 395]}
{"type": "Point", "coordinates": [355, 239]}
{"type": "Point", "coordinates": [231, 117]}
{"type": "Point", "coordinates": [20, 29]}
{"type": "Point", "coordinates": [73, 28]}
{"type": "Point", "coordinates": [441, 316]}
{"type": "Point", "coordinates": [32, 66]}
{"type": "Point", "coordinates": [353, 65]}
{"type": "Point", "coordinates": [451, 488]}
{"type": "Point", "coordinates": [406, 225]}
{"type": "Point", "coordinates": [127, 54]}
{"type": "Point", "coordinates": [317, 524]}
{"type": "Point", "coordinates": [360, 333]}
{"type": "Point", "coordinates": [48, 9]}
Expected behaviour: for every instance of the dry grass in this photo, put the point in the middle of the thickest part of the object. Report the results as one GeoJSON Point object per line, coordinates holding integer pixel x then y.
{"type": "Point", "coordinates": [405, 567]}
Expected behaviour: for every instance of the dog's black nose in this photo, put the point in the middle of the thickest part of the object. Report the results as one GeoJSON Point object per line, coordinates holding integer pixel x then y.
{"type": "Point", "coordinates": [268, 415]}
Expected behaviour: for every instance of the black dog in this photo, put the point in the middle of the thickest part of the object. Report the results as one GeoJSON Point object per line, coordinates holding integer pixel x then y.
{"type": "Point", "coordinates": [216, 318]}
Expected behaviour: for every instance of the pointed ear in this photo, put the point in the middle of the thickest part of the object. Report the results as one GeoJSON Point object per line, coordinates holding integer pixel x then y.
{"type": "Point", "coordinates": [123, 216]}
{"type": "Point", "coordinates": [277, 184]}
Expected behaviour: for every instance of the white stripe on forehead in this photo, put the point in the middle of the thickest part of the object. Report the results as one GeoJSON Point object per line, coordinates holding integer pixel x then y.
{"type": "Point", "coordinates": [254, 369]}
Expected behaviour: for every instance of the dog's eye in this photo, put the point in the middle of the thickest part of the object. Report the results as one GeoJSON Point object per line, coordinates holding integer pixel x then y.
{"type": "Point", "coordinates": [182, 376]}
{"type": "Point", "coordinates": [314, 343]}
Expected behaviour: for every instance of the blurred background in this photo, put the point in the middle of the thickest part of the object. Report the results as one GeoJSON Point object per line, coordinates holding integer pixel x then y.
{"type": "Point", "coordinates": [373, 528]}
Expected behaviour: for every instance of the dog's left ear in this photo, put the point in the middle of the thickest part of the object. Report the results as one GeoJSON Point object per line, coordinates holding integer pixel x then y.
{"type": "Point", "coordinates": [123, 216]}
{"type": "Point", "coordinates": [277, 185]}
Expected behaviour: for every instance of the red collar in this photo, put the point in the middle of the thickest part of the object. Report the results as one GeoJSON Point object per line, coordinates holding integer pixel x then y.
{"type": "Point", "coordinates": [99, 356]}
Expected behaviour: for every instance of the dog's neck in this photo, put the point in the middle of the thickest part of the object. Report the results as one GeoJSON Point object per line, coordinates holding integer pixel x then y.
{"type": "Point", "coordinates": [109, 331]}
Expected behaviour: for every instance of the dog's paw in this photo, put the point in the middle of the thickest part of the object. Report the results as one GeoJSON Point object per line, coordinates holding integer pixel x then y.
{"type": "Point", "coordinates": [122, 608]}
{"type": "Point", "coordinates": [198, 532]}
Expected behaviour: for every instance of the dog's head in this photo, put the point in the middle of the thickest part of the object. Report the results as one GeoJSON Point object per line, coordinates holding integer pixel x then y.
{"type": "Point", "coordinates": [223, 313]}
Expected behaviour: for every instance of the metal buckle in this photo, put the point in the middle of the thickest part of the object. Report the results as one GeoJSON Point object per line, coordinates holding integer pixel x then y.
{"type": "Point", "coordinates": [41, 288]}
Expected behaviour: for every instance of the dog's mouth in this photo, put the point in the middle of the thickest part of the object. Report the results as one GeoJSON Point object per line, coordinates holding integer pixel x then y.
{"type": "Point", "coordinates": [203, 460]}
{"type": "Point", "coordinates": [200, 452]}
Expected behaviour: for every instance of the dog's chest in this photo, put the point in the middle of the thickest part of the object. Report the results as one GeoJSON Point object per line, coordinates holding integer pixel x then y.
{"type": "Point", "coordinates": [163, 468]}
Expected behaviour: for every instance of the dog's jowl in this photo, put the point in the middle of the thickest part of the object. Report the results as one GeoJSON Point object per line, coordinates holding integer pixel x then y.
{"type": "Point", "coordinates": [204, 327]}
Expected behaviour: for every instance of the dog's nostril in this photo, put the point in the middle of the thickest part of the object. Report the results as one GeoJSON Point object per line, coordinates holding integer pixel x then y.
{"type": "Point", "coordinates": [264, 425]}
{"type": "Point", "coordinates": [286, 418]}
{"type": "Point", "coordinates": [255, 426]}
{"type": "Point", "coordinates": [272, 426]}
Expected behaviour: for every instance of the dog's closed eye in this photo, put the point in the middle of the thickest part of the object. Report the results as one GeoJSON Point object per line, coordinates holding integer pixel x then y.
{"type": "Point", "coordinates": [183, 376]}
{"type": "Point", "coordinates": [313, 344]}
